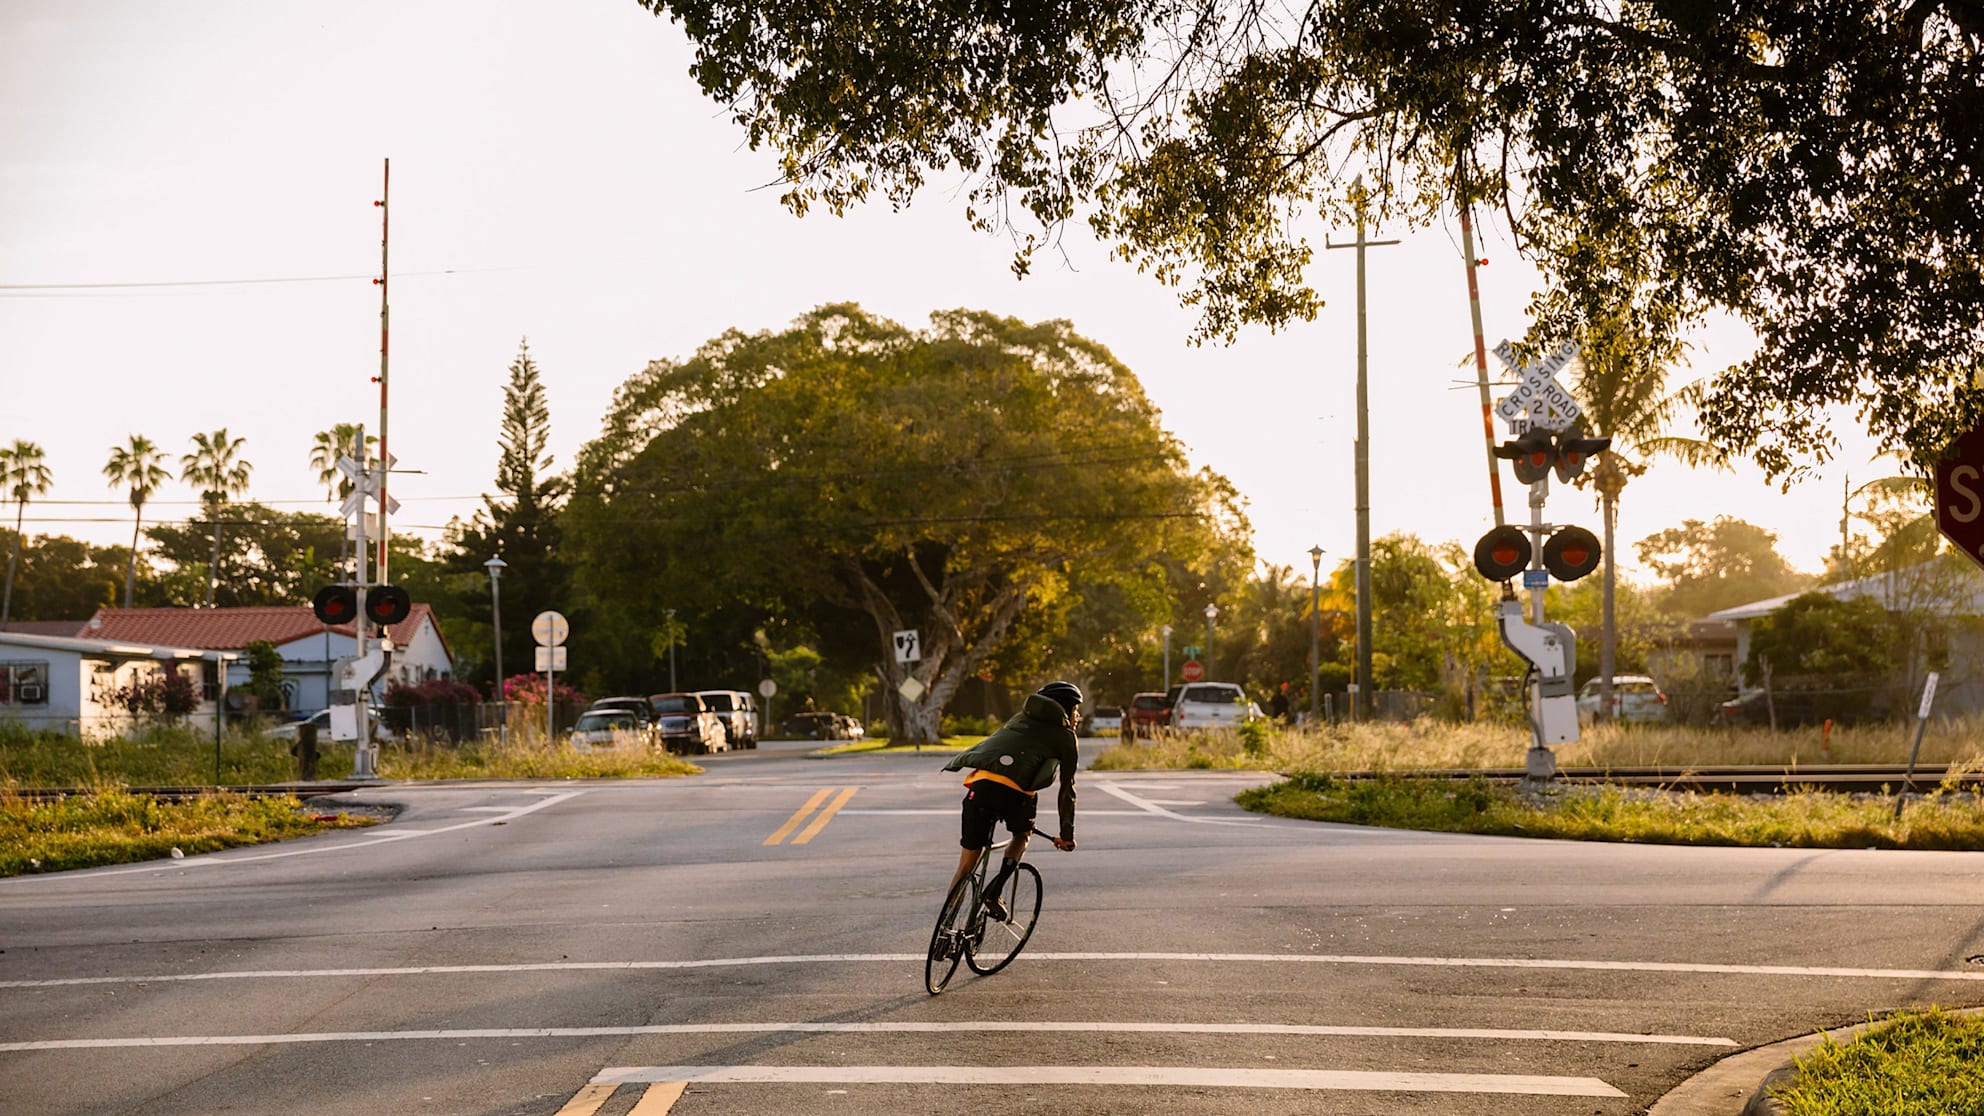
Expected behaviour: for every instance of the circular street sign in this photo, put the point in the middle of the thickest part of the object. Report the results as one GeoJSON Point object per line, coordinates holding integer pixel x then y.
{"type": "Point", "coordinates": [1191, 671]}
{"type": "Point", "coordinates": [767, 688]}
{"type": "Point", "coordinates": [550, 628]}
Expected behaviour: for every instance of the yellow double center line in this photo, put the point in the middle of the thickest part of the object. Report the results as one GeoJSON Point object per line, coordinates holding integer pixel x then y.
{"type": "Point", "coordinates": [813, 829]}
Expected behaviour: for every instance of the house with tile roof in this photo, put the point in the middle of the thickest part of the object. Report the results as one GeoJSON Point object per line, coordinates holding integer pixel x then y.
{"type": "Point", "coordinates": [310, 651]}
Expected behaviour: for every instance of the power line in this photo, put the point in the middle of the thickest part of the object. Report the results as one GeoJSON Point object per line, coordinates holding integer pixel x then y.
{"type": "Point", "coordinates": [11, 289]}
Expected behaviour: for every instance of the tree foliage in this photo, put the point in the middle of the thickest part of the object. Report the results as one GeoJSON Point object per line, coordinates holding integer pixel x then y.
{"type": "Point", "coordinates": [1718, 565]}
{"type": "Point", "coordinates": [860, 478]}
{"type": "Point", "coordinates": [1810, 168]}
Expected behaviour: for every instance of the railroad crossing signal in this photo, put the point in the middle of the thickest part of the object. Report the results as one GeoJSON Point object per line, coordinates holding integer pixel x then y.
{"type": "Point", "coordinates": [1960, 493]}
{"type": "Point", "coordinates": [1538, 400]}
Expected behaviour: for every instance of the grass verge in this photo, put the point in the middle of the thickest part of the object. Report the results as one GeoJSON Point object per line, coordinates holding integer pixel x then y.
{"type": "Point", "coordinates": [1942, 820]}
{"type": "Point", "coordinates": [1427, 743]}
{"type": "Point", "coordinates": [173, 757]}
{"type": "Point", "coordinates": [1915, 1062]}
{"type": "Point", "coordinates": [114, 827]}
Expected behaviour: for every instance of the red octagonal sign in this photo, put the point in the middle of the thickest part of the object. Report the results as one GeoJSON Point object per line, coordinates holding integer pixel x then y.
{"type": "Point", "coordinates": [1192, 671]}
{"type": "Point", "coordinates": [1960, 494]}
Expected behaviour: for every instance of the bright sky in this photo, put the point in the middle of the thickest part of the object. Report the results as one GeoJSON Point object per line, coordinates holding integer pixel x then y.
{"type": "Point", "coordinates": [557, 175]}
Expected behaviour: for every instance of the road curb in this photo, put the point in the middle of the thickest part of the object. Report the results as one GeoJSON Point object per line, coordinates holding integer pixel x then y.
{"type": "Point", "coordinates": [1738, 1085]}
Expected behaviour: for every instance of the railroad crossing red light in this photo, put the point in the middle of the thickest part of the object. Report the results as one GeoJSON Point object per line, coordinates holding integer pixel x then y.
{"type": "Point", "coordinates": [386, 605]}
{"type": "Point", "coordinates": [1571, 553]}
{"type": "Point", "coordinates": [1573, 450]}
{"type": "Point", "coordinates": [1532, 454]}
{"type": "Point", "coordinates": [335, 605]}
{"type": "Point", "coordinates": [1502, 553]}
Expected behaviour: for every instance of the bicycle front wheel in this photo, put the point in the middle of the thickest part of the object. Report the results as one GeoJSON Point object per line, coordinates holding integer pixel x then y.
{"type": "Point", "coordinates": [947, 941]}
{"type": "Point", "coordinates": [998, 943]}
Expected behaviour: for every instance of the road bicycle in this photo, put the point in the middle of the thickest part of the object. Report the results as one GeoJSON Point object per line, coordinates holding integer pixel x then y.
{"type": "Point", "coordinates": [966, 931]}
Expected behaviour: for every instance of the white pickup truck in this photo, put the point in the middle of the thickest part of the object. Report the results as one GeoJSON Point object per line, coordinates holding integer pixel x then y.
{"type": "Point", "coordinates": [1202, 705]}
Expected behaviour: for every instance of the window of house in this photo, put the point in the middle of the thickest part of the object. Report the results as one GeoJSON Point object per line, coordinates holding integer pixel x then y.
{"type": "Point", "coordinates": [23, 683]}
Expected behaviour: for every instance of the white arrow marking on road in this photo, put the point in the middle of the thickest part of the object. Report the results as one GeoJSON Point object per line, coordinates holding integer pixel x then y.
{"type": "Point", "coordinates": [1032, 958]}
{"type": "Point", "coordinates": [1296, 1029]}
{"type": "Point", "coordinates": [1186, 1076]}
{"type": "Point", "coordinates": [1147, 805]}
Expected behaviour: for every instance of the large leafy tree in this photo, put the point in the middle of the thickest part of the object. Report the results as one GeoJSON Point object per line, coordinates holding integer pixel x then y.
{"type": "Point", "coordinates": [24, 475]}
{"type": "Point", "coordinates": [61, 578]}
{"type": "Point", "coordinates": [139, 466]}
{"type": "Point", "coordinates": [273, 557]}
{"type": "Point", "coordinates": [520, 523]}
{"type": "Point", "coordinates": [217, 469]}
{"type": "Point", "coordinates": [1809, 168]}
{"type": "Point", "coordinates": [1717, 565]}
{"type": "Point", "coordinates": [955, 481]}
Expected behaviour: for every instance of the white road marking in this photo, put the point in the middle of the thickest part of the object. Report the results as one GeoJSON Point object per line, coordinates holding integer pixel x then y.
{"type": "Point", "coordinates": [1299, 1029]}
{"type": "Point", "coordinates": [367, 841]}
{"type": "Point", "coordinates": [1148, 806]}
{"type": "Point", "coordinates": [1033, 958]}
{"type": "Point", "coordinates": [1185, 1076]}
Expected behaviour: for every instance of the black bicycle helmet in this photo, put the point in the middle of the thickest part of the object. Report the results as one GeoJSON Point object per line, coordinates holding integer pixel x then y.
{"type": "Point", "coordinates": [1066, 694]}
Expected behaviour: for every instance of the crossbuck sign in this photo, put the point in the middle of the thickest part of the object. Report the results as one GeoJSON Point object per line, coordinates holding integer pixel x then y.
{"type": "Point", "coordinates": [1538, 399]}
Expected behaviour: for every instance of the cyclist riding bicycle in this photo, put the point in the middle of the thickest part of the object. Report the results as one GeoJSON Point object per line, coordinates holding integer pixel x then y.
{"type": "Point", "coordinates": [1008, 769]}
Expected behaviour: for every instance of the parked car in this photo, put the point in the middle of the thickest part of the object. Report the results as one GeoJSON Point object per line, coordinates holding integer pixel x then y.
{"type": "Point", "coordinates": [608, 728]}
{"type": "Point", "coordinates": [1148, 712]}
{"type": "Point", "coordinates": [686, 725]}
{"type": "Point", "coordinates": [819, 725]}
{"type": "Point", "coordinates": [638, 707]}
{"type": "Point", "coordinates": [1635, 698]}
{"type": "Point", "coordinates": [1103, 720]}
{"type": "Point", "coordinates": [739, 713]}
{"type": "Point", "coordinates": [1202, 705]}
{"type": "Point", "coordinates": [381, 731]}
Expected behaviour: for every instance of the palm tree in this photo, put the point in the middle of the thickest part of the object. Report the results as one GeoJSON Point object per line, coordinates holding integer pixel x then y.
{"type": "Point", "coordinates": [137, 465]}
{"type": "Point", "coordinates": [1623, 390]}
{"type": "Point", "coordinates": [24, 475]}
{"type": "Point", "coordinates": [217, 469]}
{"type": "Point", "coordinates": [325, 451]}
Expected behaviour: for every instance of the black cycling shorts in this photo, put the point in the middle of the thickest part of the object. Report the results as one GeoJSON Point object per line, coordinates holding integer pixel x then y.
{"type": "Point", "coordinates": [986, 803]}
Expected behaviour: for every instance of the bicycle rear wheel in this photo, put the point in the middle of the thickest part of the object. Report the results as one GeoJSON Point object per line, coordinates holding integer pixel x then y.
{"type": "Point", "coordinates": [1000, 942]}
{"type": "Point", "coordinates": [947, 941]}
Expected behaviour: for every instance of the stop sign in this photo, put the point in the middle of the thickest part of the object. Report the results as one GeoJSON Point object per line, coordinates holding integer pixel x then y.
{"type": "Point", "coordinates": [1191, 671]}
{"type": "Point", "coordinates": [1960, 493]}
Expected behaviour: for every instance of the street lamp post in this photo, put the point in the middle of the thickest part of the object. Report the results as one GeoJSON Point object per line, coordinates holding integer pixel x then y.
{"type": "Point", "coordinates": [496, 566]}
{"type": "Point", "coordinates": [1315, 631]}
{"type": "Point", "coordinates": [1212, 610]}
{"type": "Point", "coordinates": [1167, 657]}
{"type": "Point", "coordinates": [671, 649]}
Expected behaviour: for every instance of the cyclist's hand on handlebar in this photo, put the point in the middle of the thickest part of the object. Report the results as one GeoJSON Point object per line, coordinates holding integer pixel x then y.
{"type": "Point", "coordinates": [1064, 846]}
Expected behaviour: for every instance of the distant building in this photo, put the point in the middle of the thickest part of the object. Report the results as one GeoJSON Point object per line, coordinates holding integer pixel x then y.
{"type": "Point", "coordinates": [310, 651]}
{"type": "Point", "coordinates": [1950, 587]}
{"type": "Point", "coordinates": [66, 684]}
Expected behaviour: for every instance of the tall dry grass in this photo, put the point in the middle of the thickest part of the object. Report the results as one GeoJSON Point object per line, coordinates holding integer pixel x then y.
{"type": "Point", "coordinates": [1430, 744]}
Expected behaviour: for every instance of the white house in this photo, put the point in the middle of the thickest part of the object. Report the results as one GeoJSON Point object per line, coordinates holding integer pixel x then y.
{"type": "Point", "coordinates": [65, 684]}
{"type": "Point", "coordinates": [310, 651]}
{"type": "Point", "coordinates": [1950, 587]}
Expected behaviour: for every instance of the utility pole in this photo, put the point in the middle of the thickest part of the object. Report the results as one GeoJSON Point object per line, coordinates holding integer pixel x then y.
{"type": "Point", "coordinates": [385, 322]}
{"type": "Point", "coordinates": [1362, 707]}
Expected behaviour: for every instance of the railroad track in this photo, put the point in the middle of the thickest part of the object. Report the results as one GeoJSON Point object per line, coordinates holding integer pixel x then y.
{"type": "Point", "coordinates": [1873, 778]}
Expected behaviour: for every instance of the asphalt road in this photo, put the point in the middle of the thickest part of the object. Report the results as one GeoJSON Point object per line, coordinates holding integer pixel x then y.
{"type": "Point", "coordinates": [715, 945]}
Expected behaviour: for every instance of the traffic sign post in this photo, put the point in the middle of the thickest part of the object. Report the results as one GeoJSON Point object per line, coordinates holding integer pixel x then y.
{"type": "Point", "coordinates": [1960, 493]}
{"type": "Point", "coordinates": [550, 629]}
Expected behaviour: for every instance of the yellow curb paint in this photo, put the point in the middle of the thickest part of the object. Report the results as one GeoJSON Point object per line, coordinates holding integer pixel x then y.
{"type": "Point", "coordinates": [587, 1100]}
{"type": "Point", "coordinates": [792, 822]}
{"type": "Point", "coordinates": [826, 816]}
{"type": "Point", "coordinates": [659, 1099]}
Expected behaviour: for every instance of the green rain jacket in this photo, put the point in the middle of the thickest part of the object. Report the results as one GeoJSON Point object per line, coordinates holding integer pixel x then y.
{"type": "Point", "coordinates": [1027, 750]}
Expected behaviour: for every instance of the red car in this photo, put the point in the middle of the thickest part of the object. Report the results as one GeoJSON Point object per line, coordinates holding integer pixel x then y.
{"type": "Point", "coordinates": [1146, 713]}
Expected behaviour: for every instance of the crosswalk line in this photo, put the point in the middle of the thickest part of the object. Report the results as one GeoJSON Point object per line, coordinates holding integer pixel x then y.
{"type": "Point", "coordinates": [1194, 1077]}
